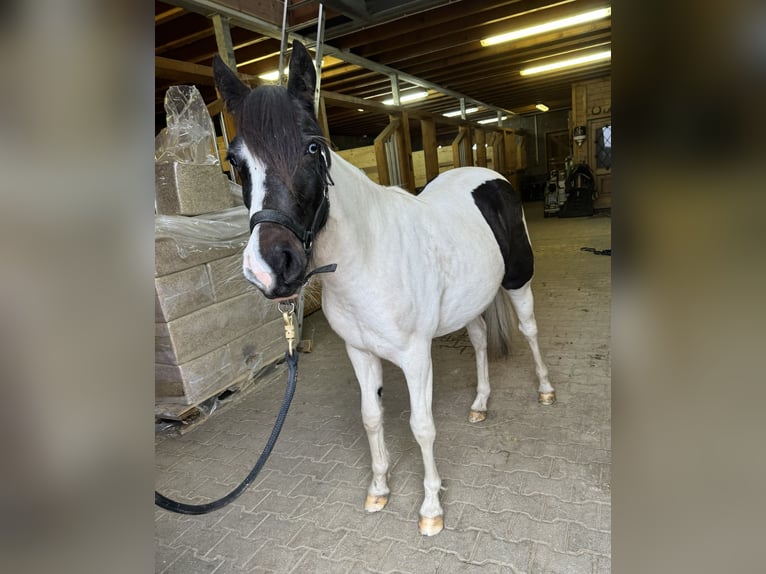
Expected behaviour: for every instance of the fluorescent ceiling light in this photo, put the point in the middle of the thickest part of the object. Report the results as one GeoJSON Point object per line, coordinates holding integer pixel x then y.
{"type": "Point", "coordinates": [272, 76]}
{"type": "Point", "coordinates": [542, 107]}
{"type": "Point", "coordinates": [590, 58]}
{"type": "Point", "coordinates": [408, 97]}
{"type": "Point", "coordinates": [548, 26]}
{"type": "Point", "coordinates": [491, 120]}
{"type": "Point", "coordinates": [457, 112]}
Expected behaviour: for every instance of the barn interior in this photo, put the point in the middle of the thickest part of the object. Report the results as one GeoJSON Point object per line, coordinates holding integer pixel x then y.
{"type": "Point", "coordinates": [407, 89]}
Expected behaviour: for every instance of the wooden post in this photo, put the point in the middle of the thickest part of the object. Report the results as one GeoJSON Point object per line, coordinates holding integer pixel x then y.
{"type": "Point", "coordinates": [509, 152]}
{"type": "Point", "coordinates": [226, 51]}
{"type": "Point", "coordinates": [405, 153]}
{"type": "Point", "coordinates": [430, 151]}
{"type": "Point", "coordinates": [223, 40]}
{"type": "Point", "coordinates": [481, 150]}
{"type": "Point", "coordinates": [381, 160]}
{"type": "Point", "coordinates": [456, 143]}
{"type": "Point", "coordinates": [322, 119]}
{"type": "Point", "coordinates": [498, 152]}
{"type": "Point", "coordinates": [468, 144]}
{"type": "Point", "coordinates": [462, 143]}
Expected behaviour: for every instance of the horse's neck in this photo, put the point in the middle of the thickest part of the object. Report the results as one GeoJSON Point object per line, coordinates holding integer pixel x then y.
{"type": "Point", "coordinates": [357, 206]}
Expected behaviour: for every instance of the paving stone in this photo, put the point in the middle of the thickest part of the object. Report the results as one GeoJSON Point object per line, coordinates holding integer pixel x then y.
{"type": "Point", "coordinates": [584, 539]}
{"type": "Point", "coordinates": [530, 504]}
{"type": "Point", "coordinates": [188, 563]}
{"type": "Point", "coordinates": [586, 513]}
{"type": "Point", "coordinates": [354, 545]}
{"type": "Point", "coordinates": [400, 556]}
{"type": "Point", "coordinates": [457, 541]}
{"type": "Point", "coordinates": [515, 555]}
{"type": "Point", "coordinates": [236, 549]}
{"type": "Point", "coordinates": [390, 525]}
{"type": "Point", "coordinates": [276, 558]}
{"type": "Point", "coordinates": [553, 534]}
{"type": "Point", "coordinates": [314, 561]}
{"type": "Point", "coordinates": [240, 520]}
{"type": "Point", "coordinates": [478, 496]}
{"type": "Point", "coordinates": [202, 538]}
{"type": "Point", "coordinates": [165, 555]}
{"type": "Point", "coordinates": [552, 562]}
{"type": "Point", "coordinates": [277, 528]}
{"type": "Point", "coordinates": [451, 564]}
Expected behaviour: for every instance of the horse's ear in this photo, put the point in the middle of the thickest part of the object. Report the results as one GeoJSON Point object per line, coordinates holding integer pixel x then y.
{"type": "Point", "coordinates": [302, 79]}
{"type": "Point", "coordinates": [231, 87]}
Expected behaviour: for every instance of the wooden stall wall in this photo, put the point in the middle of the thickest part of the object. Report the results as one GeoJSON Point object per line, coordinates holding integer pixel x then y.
{"type": "Point", "coordinates": [364, 159]}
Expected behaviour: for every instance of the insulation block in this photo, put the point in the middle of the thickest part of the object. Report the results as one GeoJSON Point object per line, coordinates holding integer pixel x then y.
{"type": "Point", "coordinates": [181, 293]}
{"type": "Point", "coordinates": [197, 333]}
{"type": "Point", "coordinates": [237, 361]}
{"type": "Point", "coordinates": [190, 189]}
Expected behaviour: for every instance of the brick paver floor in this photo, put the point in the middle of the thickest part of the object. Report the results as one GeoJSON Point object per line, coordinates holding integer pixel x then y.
{"type": "Point", "coordinates": [528, 490]}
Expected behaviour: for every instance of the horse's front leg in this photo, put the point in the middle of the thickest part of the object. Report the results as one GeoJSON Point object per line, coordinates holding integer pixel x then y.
{"type": "Point", "coordinates": [418, 371]}
{"type": "Point", "coordinates": [370, 376]}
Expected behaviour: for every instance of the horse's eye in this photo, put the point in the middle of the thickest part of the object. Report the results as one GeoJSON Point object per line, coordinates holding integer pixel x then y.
{"type": "Point", "coordinates": [313, 148]}
{"type": "Point", "coordinates": [232, 161]}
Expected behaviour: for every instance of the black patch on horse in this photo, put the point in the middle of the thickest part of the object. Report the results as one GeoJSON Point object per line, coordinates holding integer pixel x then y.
{"type": "Point", "coordinates": [501, 207]}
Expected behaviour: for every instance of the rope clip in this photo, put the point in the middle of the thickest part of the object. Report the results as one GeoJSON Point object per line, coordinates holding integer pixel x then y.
{"type": "Point", "coordinates": [287, 308]}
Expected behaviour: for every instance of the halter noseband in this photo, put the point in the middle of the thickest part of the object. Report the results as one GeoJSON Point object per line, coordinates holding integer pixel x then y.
{"type": "Point", "coordinates": [306, 236]}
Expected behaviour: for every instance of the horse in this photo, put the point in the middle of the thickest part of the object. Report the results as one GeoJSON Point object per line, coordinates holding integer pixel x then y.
{"type": "Point", "coordinates": [398, 269]}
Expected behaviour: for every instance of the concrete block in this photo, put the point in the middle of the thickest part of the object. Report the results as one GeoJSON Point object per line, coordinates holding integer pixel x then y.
{"type": "Point", "coordinates": [190, 189]}
{"type": "Point", "coordinates": [181, 293]}
{"type": "Point", "coordinates": [197, 333]}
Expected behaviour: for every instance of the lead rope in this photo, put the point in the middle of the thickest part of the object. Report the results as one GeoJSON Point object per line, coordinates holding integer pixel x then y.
{"type": "Point", "coordinates": [291, 358]}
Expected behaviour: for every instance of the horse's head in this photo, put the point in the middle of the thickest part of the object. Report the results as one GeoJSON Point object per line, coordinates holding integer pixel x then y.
{"type": "Point", "coordinates": [283, 162]}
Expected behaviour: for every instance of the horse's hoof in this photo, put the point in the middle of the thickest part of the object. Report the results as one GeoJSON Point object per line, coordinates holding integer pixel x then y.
{"type": "Point", "coordinates": [546, 398]}
{"type": "Point", "coordinates": [430, 526]}
{"type": "Point", "coordinates": [477, 416]}
{"type": "Point", "coordinates": [375, 502]}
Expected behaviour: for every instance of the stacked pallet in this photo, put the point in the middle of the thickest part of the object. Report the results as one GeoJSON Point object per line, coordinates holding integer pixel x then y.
{"type": "Point", "coordinates": [213, 329]}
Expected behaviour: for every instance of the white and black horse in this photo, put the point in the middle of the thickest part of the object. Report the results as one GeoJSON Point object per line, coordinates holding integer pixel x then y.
{"type": "Point", "coordinates": [409, 268]}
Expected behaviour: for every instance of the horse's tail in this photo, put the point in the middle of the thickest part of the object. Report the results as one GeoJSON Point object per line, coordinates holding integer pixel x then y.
{"type": "Point", "coordinates": [501, 320]}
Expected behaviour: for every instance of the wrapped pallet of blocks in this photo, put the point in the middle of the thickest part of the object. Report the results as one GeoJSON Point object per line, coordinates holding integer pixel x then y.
{"type": "Point", "coordinates": [213, 329]}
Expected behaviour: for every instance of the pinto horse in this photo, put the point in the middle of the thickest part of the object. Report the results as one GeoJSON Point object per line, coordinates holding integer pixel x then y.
{"type": "Point", "coordinates": [406, 268]}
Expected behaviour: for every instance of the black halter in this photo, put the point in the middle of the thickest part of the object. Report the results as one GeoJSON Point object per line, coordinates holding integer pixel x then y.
{"type": "Point", "coordinates": [306, 236]}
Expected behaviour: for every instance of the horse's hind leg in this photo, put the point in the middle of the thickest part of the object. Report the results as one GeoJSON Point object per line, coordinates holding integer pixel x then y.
{"type": "Point", "coordinates": [523, 304]}
{"type": "Point", "coordinates": [477, 333]}
{"type": "Point", "coordinates": [369, 373]}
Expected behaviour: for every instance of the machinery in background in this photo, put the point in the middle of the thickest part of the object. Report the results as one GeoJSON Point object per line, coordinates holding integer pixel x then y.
{"type": "Point", "coordinates": [570, 193]}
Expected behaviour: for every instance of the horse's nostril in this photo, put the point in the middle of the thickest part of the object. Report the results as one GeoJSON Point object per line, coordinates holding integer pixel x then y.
{"type": "Point", "coordinates": [290, 265]}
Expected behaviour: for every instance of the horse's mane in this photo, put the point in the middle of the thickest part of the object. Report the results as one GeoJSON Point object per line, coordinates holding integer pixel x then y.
{"type": "Point", "coordinates": [276, 128]}
{"type": "Point", "coordinates": [267, 124]}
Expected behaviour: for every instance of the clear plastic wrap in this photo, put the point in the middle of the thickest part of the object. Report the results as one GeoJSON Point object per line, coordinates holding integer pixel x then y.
{"type": "Point", "coordinates": [189, 136]}
{"type": "Point", "coordinates": [228, 228]}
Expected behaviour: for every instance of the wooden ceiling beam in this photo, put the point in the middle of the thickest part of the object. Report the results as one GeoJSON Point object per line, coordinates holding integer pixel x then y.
{"type": "Point", "coordinates": [444, 16]}
{"type": "Point", "coordinates": [464, 30]}
{"type": "Point", "coordinates": [471, 43]}
{"type": "Point", "coordinates": [190, 73]}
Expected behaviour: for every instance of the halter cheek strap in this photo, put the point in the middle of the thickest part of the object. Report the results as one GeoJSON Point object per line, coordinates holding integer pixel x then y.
{"type": "Point", "coordinates": [306, 236]}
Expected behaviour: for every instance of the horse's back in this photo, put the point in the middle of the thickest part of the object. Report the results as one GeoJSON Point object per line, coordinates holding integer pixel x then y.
{"type": "Point", "coordinates": [501, 208]}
